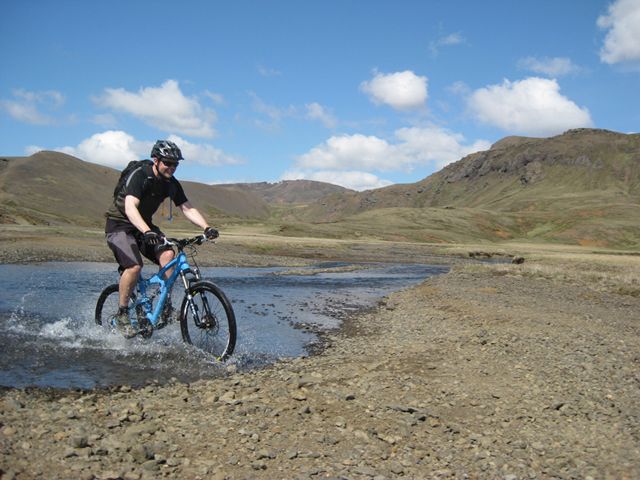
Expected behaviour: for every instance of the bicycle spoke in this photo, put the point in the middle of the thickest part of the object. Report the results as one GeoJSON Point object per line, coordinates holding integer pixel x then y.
{"type": "Point", "coordinates": [208, 322]}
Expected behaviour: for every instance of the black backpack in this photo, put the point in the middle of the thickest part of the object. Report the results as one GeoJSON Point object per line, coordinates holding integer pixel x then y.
{"type": "Point", "coordinates": [126, 174]}
{"type": "Point", "coordinates": [131, 168]}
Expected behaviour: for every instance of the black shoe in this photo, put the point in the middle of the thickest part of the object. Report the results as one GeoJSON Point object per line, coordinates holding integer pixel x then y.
{"type": "Point", "coordinates": [123, 325]}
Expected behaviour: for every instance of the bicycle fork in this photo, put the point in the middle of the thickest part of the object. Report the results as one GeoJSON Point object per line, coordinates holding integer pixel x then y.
{"type": "Point", "coordinates": [194, 308]}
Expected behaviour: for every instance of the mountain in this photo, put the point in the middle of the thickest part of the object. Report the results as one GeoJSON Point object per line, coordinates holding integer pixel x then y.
{"type": "Point", "coordinates": [579, 187]}
{"type": "Point", "coordinates": [290, 192]}
{"type": "Point", "coordinates": [53, 188]}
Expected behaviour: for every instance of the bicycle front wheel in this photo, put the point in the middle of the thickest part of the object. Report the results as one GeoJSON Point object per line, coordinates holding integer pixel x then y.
{"type": "Point", "coordinates": [207, 320]}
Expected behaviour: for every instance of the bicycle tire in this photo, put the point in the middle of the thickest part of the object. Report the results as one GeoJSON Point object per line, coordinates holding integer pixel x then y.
{"type": "Point", "coordinates": [108, 304]}
{"type": "Point", "coordinates": [109, 298]}
{"type": "Point", "coordinates": [216, 333]}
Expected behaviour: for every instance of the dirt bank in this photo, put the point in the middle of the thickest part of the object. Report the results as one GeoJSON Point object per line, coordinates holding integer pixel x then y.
{"type": "Point", "coordinates": [507, 372]}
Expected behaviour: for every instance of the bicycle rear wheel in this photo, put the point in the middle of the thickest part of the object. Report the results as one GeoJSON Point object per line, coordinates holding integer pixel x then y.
{"type": "Point", "coordinates": [207, 320]}
{"type": "Point", "coordinates": [108, 305]}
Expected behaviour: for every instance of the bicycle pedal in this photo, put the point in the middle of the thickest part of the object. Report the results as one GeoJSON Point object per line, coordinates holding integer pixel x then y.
{"type": "Point", "coordinates": [145, 332]}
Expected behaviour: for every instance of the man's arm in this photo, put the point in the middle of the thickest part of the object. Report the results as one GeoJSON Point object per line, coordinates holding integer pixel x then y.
{"type": "Point", "coordinates": [133, 214]}
{"type": "Point", "coordinates": [193, 215]}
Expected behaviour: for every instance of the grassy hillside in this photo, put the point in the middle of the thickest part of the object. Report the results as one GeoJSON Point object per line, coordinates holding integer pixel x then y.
{"type": "Point", "coordinates": [582, 187]}
{"type": "Point", "coordinates": [51, 188]}
{"type": "Point", "coordinates": [289, 192]}
{"type": "Point", "coordinates": [579, 188]}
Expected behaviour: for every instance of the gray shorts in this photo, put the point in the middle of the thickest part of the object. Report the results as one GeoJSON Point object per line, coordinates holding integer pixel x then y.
{"type": "Point", "coordinates": [128, 248]}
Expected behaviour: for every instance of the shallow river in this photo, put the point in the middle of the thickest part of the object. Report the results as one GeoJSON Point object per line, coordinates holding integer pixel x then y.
{"type": "Point", "coordinates": [48, 336]}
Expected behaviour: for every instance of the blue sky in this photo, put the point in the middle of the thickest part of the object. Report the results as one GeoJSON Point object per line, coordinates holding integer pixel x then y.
{"type": "Point", "coordinates": [361, 93]}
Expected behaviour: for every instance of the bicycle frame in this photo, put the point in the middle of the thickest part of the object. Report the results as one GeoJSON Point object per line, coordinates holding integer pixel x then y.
{"type": "Point", "coordinates": [206, 316]}
{"type": "Point", "coordinates": [182, 267]}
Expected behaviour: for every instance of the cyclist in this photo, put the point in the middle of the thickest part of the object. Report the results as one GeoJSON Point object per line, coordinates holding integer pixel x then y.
{"type": "Point", "coordinates": [129, 230]}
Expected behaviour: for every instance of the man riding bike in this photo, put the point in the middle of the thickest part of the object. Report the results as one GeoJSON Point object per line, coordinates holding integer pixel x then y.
{"type": "Point", "coordinates": [129, 229]}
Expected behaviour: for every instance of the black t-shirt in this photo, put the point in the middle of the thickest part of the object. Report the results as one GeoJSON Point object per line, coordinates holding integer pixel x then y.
{"type": "Point", "coordinates": [151, 191]}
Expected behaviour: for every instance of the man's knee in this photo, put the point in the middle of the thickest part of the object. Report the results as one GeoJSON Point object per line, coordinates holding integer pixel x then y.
{"type": "Point", "coordinates": [133, 270]}
{"type": "Point", "coordinates": [165, 257]}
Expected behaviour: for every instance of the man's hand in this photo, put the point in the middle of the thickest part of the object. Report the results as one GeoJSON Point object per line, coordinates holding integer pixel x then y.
{"type": "Point", "coordinates": [152, 238]}
{"type": "Point", "coordinates": [210, 233]}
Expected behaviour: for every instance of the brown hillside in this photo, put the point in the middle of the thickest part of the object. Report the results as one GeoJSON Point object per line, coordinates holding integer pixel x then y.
{"type": "Point", "coordinates": [516, 173]}
{"type": "Point", "coordinates": [580, 187]}
{"type": "Point", "coordinates": [54, 188]}
{"type": "Point", "coordinates": [290, 192]}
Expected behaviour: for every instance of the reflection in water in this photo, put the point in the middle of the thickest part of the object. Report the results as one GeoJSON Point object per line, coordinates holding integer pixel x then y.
{"type": "Point", "coordinates": [49, 336]}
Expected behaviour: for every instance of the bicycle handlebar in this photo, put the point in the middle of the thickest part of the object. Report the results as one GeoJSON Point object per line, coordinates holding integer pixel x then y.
{"type": "Point", "coordinates": [181, 243]}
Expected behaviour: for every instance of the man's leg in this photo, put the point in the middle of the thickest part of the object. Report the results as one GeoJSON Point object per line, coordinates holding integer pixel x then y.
{"type": "Point", "coordinates": [165, 257]}
{"type": "Point", "coordinates": [128, 281]}
{"type": "Point", "coordinates": [127, 253]}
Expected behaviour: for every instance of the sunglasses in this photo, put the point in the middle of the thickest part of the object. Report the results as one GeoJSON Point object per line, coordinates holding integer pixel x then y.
{"type": "Point", "coordinates": [170, 163]}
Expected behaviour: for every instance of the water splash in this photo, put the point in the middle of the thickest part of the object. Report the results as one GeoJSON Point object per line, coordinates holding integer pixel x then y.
{"type": "Point", "coordinates": [50, 338]}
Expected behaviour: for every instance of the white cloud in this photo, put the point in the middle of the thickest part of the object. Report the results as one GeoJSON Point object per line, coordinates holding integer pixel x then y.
{"type": "Point", "coordinates": [459, 88]}
{"type": "Point", "coordinates": [25, 112]}
{"type": "Point", "coordinates": [204, 154]}
{"type": "Point", "coordinates": [401, 90]}
{"type": "Point", "coordinates": [414, 146]}
{"type": "Point", "coordinates": [354, 180]}
{"type": "Point", "coordinates": [112, 148]}
{"type": "Point", "coordinates": [274, 114]}
{"type": "Point", "coordinates": [115, 148]}
{"type": "Point", "coordinates": [268, 71]}
{"type": "Point", "coordinates": [217, 98]}
{"type": "Point", "coordinates": [52, 97]}
{"type": "Point", "coordinates": [554, 67]}
{"type": "Point", "coordinates": [533, 106]}
{"type": "Point", "coordinates": [164, 107]}
{"type": "Point", "coordinates": [451, 39]}
{"type": "Point", "coordinates": [31, 149]}
{"type": "Point", "coordinates": [27, 106]}
{"type": "Point", "coordinates": [349, 151]}
{"type": "Point", "coordinates": [622, 41]}
{"type": "Point", "coordinates": [420, 146]}
{"type": "Point", "coordinates": [446, 41]}
{"type": "Point", "coordinates": [315, 111]}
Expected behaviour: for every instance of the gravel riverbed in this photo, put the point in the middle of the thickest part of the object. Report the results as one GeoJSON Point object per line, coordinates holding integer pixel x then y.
{"type": "Point", "coordinates": [472, 374]}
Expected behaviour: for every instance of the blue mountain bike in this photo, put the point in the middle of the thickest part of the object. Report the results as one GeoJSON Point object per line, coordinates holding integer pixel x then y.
{"type": "Point", "coordinates": [206, 316]}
